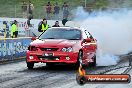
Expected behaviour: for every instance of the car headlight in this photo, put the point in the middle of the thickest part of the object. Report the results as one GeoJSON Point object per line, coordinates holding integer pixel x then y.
{"type": "Point", "coordinates": [68, 49]}
{"type": "Point", "coordinates": [64, 49]}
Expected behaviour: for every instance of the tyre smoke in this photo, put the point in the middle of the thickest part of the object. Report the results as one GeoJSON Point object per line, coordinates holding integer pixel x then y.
{"type": "Point", "coordinates": [113, 31]}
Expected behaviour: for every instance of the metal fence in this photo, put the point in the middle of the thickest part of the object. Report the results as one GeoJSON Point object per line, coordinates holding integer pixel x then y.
{"type": "Point", "coordinates": [15, 10]}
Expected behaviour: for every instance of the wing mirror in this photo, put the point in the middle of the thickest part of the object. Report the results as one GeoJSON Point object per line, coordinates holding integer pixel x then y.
{"type": "Point", "coordinates": [33, 38]}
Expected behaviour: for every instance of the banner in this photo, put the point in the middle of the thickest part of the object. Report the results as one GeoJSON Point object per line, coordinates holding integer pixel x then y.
{"type": "Point", "coordinates": [11, 49]}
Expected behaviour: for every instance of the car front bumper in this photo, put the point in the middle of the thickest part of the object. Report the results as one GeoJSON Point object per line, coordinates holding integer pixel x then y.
{"type": "Point", "coordinates": [55, 57]}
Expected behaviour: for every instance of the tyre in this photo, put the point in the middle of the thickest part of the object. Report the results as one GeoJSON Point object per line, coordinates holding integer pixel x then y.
{"type": "Point", "coordinates": [79, 59]}
{"type": "Point", "coordinates": [30, 65]}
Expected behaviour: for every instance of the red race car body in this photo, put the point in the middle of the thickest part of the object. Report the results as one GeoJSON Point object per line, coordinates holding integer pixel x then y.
{"type": "Point", "coordinates": [62, 45]}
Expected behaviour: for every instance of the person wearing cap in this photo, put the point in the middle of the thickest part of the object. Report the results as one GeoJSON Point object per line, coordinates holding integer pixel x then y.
{"type": "Point", "coordinates": [14, 29]}
{"type": "Point", "coordinates": [43, 26]}
{"type": "Point", "coordinates": [56, 24]}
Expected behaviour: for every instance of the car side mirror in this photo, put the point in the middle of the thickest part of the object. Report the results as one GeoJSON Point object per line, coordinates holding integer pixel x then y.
{"type": "Point", "coordinates": [33, 38]}
{"type": "Point", "coordinates": [87, 40]}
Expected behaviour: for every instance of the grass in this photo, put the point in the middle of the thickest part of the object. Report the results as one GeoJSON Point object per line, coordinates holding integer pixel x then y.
{"type": "Point", "coordinates": [12, 8]}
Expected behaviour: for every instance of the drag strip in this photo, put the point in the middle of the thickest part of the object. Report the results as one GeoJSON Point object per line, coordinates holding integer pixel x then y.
{"type": "Point", "coordinates": [16, 75]}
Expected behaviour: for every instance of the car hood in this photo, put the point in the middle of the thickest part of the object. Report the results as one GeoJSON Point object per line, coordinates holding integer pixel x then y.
{"type": "Point", "coordinates": [54, 42]}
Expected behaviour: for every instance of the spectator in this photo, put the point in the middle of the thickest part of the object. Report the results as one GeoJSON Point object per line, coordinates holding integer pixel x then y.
{"type": "Point", "coordinates": [65, 10]}
{"type": "Point", "coordinates": [24, 9]}
{"type": "Point", "coordinates": [64, 21]}
{"type": "Point", "coordinates": [5, 29]}
{"type": "Point", "coordinates": [30, 10]}
{"type": "Point", "coordinates": [28, 22]}
{"type": "Point", "coordinates": [48, 10]}
{"type": "Point", "coordinates": [56, 24]}
{"type": "Point", "coordinates": [27, 31]}
{"type": "Point", "coordinates": [14, 29]}
{"type": "Point", "coordinates": [56, 11]}
{"type": "Point", "coordinates": [43, 26]}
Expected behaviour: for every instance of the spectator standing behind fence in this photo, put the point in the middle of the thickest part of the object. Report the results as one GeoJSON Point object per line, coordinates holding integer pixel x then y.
{"type": "Point", "coordinates": [5, 29]}
{"type": "Point", "coordinates": [48, 10]}
{"type": "Point", "coordinates": [24, 9]}
{"type": "Point", "coordinates": [14, 29]}
{"type": "Point", "coordinates": [30, 10]}
{"type": "Point", "coordinates": [65, 9]}
{"type": "Point", "coordinates": [56, 11]}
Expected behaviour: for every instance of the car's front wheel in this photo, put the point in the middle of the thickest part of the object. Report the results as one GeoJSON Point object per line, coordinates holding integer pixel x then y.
{"type": "Point", "coordinates": [79, 59]}
{"type": "Point", "coordinates": [30, 65]}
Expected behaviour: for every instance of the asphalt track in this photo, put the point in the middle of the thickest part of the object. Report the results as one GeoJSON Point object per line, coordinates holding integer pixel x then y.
{"type": "Point", "coordinates": [16, 75]}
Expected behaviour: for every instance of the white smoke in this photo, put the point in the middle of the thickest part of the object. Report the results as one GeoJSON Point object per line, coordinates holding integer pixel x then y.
{"type": "Point", "coordinates": [113, 31]}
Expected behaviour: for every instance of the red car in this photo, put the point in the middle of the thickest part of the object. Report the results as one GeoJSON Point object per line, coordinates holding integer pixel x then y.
{"type": "Point", "coordinates": [62, 45]}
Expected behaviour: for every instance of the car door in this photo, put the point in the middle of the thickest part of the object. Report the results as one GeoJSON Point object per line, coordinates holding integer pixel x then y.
{"type": "Point", "coordinates": [89, 48]}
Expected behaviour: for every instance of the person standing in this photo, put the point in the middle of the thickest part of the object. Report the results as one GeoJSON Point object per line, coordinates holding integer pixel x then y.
{"type": "Point", "coordinates": [48, 10]}
{"type": "Point", "coordinates": [43, 26]}
{"type": "Point", "coordinates": [14, 29]}
{"type": "Point", "coordinates": [24, 9]}
{"type": "Point", "coordinates": [27, 31]}
{"type": "Point", "coordinates": [30, 10]}
{"type": "Point", "coordinates": [65, 9]}
{"type": "Point", "coordinates": [5, 29]}
{"type": "Point", "coordinates": [56, 11]}
{"type": "Point", "coordinates": [56, 24]}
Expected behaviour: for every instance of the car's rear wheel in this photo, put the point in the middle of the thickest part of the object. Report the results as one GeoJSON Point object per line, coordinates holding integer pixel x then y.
{"type": "Point", "coordinates": [79, 59]}
{"type": "Point", "coordinates": [30, 65]}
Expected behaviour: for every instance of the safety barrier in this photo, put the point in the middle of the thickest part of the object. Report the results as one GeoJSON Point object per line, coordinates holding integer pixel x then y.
{"type": "Point", "coordinates": [13, 48]}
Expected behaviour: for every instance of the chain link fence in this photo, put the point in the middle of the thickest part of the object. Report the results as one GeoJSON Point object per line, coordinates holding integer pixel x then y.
{"type": "Point", "coordinates": [39, 11]}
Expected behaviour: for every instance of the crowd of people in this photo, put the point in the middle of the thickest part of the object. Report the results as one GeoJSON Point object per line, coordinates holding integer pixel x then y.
{"type": "Point", "coordinates": [55, 9]}
{"type": "Point", "coordinates": [42, 26]}
{"type": "Point", "coordinates": [52, 10]}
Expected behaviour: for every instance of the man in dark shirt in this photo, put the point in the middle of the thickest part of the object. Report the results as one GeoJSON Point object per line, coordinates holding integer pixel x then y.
{"type": "Point", "coordinates": [56, 24]}
{"type": "Point", "coordinates": [65, 9]}
{"type": "Point", "coordinates": [48, 9]}
{"type": "Point", "coordinates": [56, 11]}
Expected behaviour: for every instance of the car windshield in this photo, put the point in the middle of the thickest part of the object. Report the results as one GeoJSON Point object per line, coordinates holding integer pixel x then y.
{"type": "Point", "coordinates": [61, 33]}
